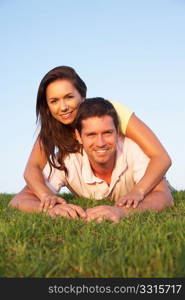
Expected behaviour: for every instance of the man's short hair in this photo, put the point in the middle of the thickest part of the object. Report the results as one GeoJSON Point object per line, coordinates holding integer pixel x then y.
{"type": "Point", "coordinates": [96, 107]}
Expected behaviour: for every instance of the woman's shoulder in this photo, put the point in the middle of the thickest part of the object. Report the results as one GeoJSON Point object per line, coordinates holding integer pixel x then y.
{"type": "Point", "coordinates": [124, 114]}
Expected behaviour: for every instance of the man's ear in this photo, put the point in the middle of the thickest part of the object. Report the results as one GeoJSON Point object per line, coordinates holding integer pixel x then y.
{"type": "Point", "coordinates": [78, 137]}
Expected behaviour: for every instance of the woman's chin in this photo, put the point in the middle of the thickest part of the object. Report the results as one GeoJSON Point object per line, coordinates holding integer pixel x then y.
{"type": "Point", "coordinates": [66, 121]}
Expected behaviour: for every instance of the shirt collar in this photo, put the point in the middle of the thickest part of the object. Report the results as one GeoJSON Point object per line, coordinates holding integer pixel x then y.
{"type": "Point", "coordinates": [87, 173]}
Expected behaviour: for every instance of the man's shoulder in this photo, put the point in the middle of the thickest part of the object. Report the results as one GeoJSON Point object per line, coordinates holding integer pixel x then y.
{"type": "Point", "coordinates": [131, 149]}
{"type": "Point", "coordinates": [128, 144]}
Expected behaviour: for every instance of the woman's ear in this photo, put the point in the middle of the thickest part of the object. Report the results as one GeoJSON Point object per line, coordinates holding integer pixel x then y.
{"type": "Point", "coordinates": [78, 137]}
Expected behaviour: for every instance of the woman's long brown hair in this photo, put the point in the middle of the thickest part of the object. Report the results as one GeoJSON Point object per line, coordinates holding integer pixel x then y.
{"type": "Point", "coordinates": [57, 139]}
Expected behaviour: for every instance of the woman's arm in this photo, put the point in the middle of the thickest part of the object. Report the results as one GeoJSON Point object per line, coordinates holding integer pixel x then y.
{"type": "Point", "coordinates": [159, 163]}
{"type": "Point", "coordinates": [36, 196]}
{"type": "Point", "coordinates": [33, 172]}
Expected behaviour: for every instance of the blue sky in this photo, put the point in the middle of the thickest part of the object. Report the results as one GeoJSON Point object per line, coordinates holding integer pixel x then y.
{"type": "Point", "coordinates": [129, 51]}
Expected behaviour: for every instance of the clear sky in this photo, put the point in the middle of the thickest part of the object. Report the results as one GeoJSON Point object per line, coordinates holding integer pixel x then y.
{"type": "Point", "coordinates": [129, 51]}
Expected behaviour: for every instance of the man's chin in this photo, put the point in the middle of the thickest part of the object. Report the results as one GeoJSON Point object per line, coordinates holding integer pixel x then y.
{"type": "Point", "coordinates": [101, 161]}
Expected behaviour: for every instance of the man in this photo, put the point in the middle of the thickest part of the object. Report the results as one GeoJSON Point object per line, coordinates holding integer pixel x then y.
{"type": "Point", "coordinates": [108, 166]}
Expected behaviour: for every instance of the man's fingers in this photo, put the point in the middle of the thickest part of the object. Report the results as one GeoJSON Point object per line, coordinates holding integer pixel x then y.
{"type": "Point", "coordinates": [55, 200]}
{"type": "Point", "coordinates": [68, 210]}
{"type": "Point", "coordinates": [90, 218]}
{"type": "Point", "coordinates": [81, 212]}
{"type": "Point", "coordinates": [63, 213]}
{"type": "Point", "coordinates": [97, 209]}
{"type": "Point", "coordinates": [51, 213]}
{"type": "Point", "coordinates": [114, 219]}
{"type": "Point", "coordinates": [52, 203]}
{"type": "Point", "coordinates": [89, 210]}
{"type": "Point", "coordinates": [91, 215]}
{"type": "Point", "coordinates": [58, 212]}
{"type": "Point", "coordinates": [96, 213]}
{"type": "Point", "coordinates": [100, 219]}
{"type": "Point", "coordinates": [71, 212]}
{"type": "Point", "coordinates": [60, 200]}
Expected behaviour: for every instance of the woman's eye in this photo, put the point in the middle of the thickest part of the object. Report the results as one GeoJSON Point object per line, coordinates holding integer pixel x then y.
{"type": "Point", "coordinates": [53, 101]}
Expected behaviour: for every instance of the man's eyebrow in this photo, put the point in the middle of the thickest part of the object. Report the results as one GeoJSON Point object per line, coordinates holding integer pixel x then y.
{"type": "Point", "coordinates": [94, 132]}
{"type": "Point", "coordinates": [108, 130]}
{"type": "Point", "coordinates": [90, 132]}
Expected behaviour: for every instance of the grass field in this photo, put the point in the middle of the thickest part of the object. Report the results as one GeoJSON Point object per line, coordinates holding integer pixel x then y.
{"type": "Point", "coordinates": [144, 245]}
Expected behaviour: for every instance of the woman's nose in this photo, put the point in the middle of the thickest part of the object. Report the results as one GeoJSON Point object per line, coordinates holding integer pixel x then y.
{"type": "Point", "coordinates": [63, 105]}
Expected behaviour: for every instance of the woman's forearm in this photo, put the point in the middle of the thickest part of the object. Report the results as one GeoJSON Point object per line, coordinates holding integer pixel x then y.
{"type": "Point", "coordinates": [33, 172]}
{"type": "Point", "coordinates": [36, 182]}
{"type": "Point", "coordinates": [160, 161]}
{"type": "Point", "coordinates": [155, 171]}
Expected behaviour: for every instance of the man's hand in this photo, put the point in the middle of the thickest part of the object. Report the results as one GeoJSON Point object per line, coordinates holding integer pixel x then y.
{"type": "Point", "coordinates": [69, 211]}
{"type": "Point", "coordinates": [131, 199]}
{"type": "Point", "coordinates": [49, 201]}
{"type": "Point", "coordinates": [104, 212]}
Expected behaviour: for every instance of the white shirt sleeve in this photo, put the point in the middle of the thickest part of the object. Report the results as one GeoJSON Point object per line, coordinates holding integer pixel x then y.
{"type": "Point", "coordinates": [56, 179]}
{"type": "Point", "coordinates": [139, 161]}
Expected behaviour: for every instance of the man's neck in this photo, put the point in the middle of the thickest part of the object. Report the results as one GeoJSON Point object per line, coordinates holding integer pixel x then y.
{"type": "Point", "coordinates": [103, 171]}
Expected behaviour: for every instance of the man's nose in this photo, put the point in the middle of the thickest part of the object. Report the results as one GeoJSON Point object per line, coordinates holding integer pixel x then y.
{"type": "Point", "coordinates": [63, 105]}
{"type": "Point", "coordinates": [100, 141]}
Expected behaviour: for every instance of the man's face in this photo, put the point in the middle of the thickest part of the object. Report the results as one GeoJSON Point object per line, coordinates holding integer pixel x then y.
{"type": "Point", "coordinates": [99, 138]}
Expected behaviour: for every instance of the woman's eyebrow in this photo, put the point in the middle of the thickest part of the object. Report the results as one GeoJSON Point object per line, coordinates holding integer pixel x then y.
{"type": "Point", "coordinates": [68, 94]}
{"type": "Point", "coordinates": [53, 98]}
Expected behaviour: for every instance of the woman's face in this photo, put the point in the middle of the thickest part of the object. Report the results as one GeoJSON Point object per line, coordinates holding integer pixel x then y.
{"type": "Point", "coordinates": [63, 100]}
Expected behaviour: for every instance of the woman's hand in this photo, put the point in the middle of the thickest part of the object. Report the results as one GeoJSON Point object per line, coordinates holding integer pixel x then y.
{"type": "Point", "coordinates": [132, 199]}
{"type": "Point", "coordinates": [49, 201]}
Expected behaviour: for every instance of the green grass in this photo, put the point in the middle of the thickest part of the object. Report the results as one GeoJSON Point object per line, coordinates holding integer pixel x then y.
{"type": "Point", "coordinates": [144, 245]}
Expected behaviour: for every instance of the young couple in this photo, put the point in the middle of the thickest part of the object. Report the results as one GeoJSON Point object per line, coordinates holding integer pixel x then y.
{"type": "Point", "coordinates": [93, 157]}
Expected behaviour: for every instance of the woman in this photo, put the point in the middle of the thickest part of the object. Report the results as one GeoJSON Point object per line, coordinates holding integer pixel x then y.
{"type": "Point", "coordinates": [59, 95]}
